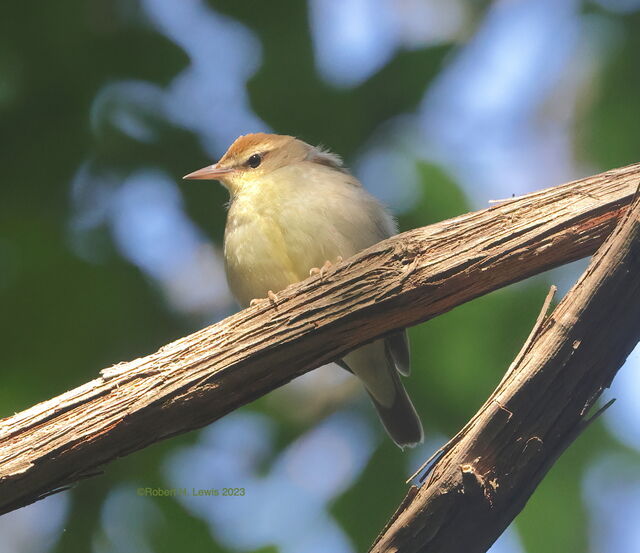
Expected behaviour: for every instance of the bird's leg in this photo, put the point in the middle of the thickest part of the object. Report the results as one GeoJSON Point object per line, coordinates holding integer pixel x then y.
{"type": "Point", "coordinates": [322, 270]}
{"type": "Point", "coordinates": [271, 296]}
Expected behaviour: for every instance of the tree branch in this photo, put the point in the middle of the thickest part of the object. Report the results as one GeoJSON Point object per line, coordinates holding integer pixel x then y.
{"type": "Point", "coordinates": [402, 281]}
{"type": "Point", "coordinates": [490, 469]}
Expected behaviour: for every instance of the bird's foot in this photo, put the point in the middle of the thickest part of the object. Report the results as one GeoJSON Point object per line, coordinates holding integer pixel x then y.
{"type": "Point", "coordinates": [271, 296]}
{"type": "Point", "coordinates": [323, 270]}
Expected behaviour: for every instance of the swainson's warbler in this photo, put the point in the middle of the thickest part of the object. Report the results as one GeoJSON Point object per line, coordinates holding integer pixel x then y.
{"type": "Point", "coordinates": [293, 208]}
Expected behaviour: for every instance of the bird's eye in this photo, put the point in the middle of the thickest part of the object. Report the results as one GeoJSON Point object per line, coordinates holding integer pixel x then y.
{"type": "Point", "coordinates": [254, 161]}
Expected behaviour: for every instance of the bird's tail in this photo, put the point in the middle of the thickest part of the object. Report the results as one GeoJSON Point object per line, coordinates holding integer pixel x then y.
{"type": "Point", "coordinates": [381, 380]}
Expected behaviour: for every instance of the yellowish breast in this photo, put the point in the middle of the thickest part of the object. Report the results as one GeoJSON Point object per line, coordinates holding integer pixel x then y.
{"type": "Point", "coordinates": [280, 228]}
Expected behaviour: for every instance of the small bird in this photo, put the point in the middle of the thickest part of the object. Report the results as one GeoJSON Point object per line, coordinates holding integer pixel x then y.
{"type": "Point", "coordinates": [294, 208]}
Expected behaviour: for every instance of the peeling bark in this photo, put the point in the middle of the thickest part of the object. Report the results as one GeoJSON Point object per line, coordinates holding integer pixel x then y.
{"type": "Point", "coordinates": [400, 282]}
{"type": "Point", "coordinates": [487, 472]}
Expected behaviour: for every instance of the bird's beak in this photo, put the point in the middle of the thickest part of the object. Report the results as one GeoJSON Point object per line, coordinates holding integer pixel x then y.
{"type": "Point", "coordinates": [210, 172]}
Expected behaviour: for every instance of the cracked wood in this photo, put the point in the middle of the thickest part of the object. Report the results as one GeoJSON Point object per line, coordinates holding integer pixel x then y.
{"type": "Point", "coordinates": [400, 282]}
{"type": "Point", "coordinates": [489, 470]}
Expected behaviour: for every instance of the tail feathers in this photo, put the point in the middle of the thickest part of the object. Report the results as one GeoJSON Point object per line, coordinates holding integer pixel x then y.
{"type": "Point", "coordinates": [400, 418]}
{"type": "Point", "coordinates": [371, 364]}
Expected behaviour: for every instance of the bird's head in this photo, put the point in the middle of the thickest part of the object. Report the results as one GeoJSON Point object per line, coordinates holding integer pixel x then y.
{"type": "Point", "coordinates": [253, 156]}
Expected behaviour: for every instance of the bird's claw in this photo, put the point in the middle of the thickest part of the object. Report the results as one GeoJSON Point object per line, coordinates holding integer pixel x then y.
{"type": "Point", "coordinates": [323, 270]}
{"type": "Point", "coordinates": [271, 296]}
{"type": "Point", "coordinates": [320, 271]}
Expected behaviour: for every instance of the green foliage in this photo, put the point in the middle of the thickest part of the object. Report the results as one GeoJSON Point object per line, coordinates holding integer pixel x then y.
{"type": "Point", "coordinates": [65, 317]}
{"type": "Point", "coordinates": [378, 490]}
{"type": "Point", "coordinates": [611, 129]}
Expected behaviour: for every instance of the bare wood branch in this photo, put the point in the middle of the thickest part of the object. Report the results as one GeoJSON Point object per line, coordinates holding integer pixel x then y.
{"type": "Point", "coordinates": [399, 282]}
{"type": "Point", "coordinates": [491, 468]}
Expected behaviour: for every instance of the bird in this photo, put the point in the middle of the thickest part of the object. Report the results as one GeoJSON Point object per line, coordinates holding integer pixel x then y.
{"type": "Point", "coordinates": [295, 208]}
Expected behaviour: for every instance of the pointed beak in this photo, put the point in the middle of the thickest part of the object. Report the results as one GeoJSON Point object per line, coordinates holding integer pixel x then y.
{"type": "Point", "coordinates": [211, 172]}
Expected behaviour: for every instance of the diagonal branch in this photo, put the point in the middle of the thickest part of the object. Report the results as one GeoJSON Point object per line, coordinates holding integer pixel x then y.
{"type": "Point", "coordinates": [400, 282]}
{"type": "Point", "coordinates": [490, 469]}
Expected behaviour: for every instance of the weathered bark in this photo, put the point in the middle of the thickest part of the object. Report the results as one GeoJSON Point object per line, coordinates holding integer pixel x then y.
{"type": "Point", "coordinates": [396, 283]}
{"type": "Point", "coordinates": [490, 469]}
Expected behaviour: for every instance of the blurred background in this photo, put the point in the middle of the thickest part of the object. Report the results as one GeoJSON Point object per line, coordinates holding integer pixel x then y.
{"type": "Point", "coordinates": [438, 106]}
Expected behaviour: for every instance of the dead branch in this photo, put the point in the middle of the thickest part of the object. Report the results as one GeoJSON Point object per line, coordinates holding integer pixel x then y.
{"type": "Point", "coordinates": [400, 282]}
{"type": "Point", "coordinates": [490, 469]}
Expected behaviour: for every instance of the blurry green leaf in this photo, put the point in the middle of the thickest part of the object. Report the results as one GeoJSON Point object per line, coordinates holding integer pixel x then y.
{"type": "Point", "coordinates": [610, 131]}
